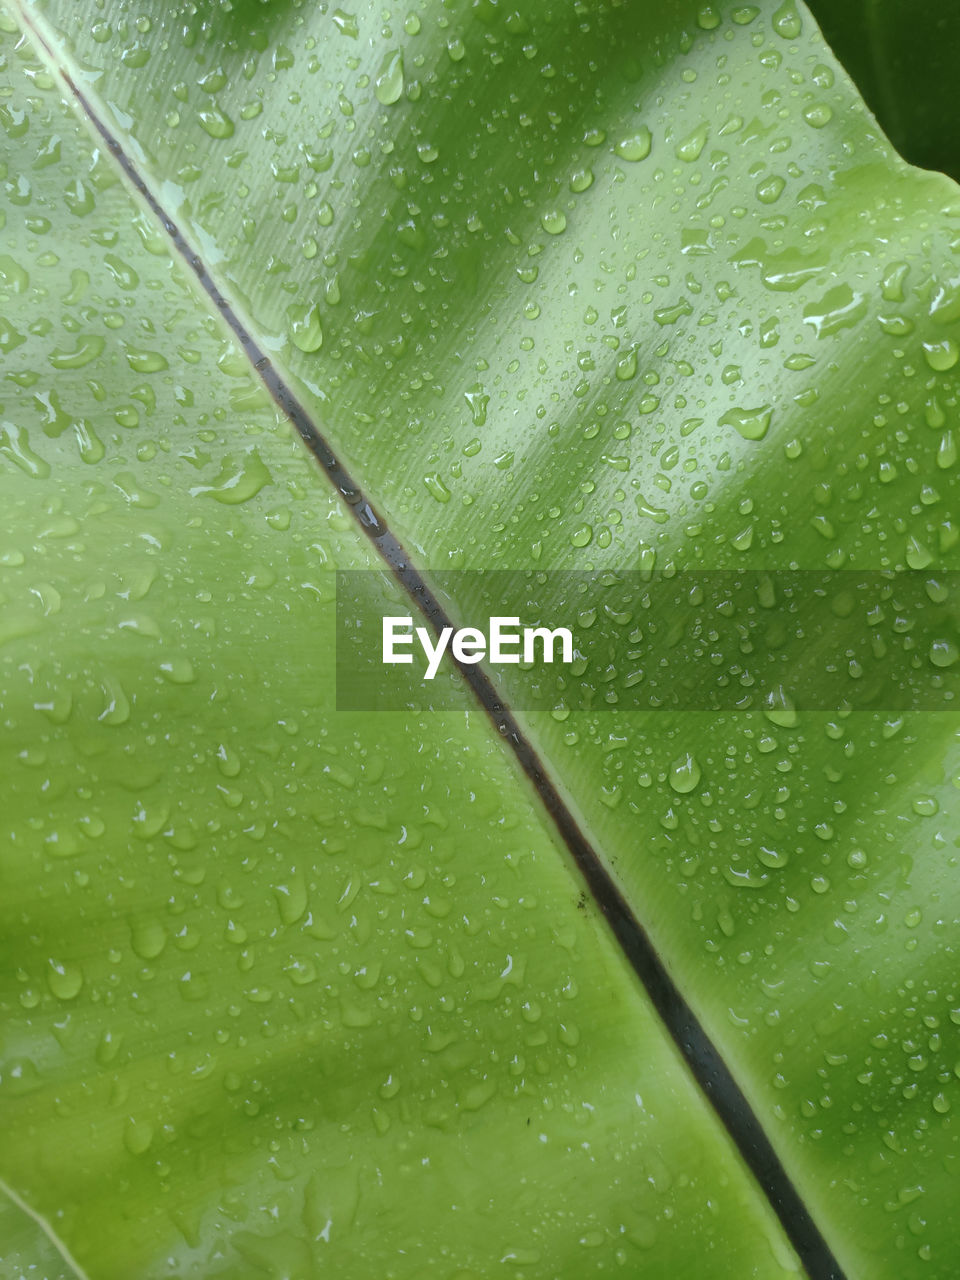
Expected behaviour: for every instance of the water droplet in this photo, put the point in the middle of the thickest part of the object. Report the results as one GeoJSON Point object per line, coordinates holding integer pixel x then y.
{"type": "Point", "coordinates": [216, 122]}
{"type": "Point", "coordinates": [947, 451]}
{"type": "Point", "coordinates": [306, 327]}
{"type": "Point", "coordinates": [388, 85]}
{"type": "Point", "coordinates": [15, 446]}
{"type": "Point", "coordinates": [917, 555]}
{"type": "Point", "coordinates": [944, 653]}
{"type": "Point", "coordinates": [141, 361]}
{"type": "Point", "coordinates": [942, 355]}
{"type": "Point", "coordinates": [770, 189]}
{"type": "Point", "coordinates": [772, 857]}
{"type": "Point", "coordinates": [554, 221]}
{"type": "Point", "coordinates": [137, 1136]}
{"type": "Point", "coordinates": [86, 349]}
{"type": "Point", "coordinates": [478, 400]}
{"type": "Point", "coordinates": [787, 22]}
{"type": "Point", "coordinates": [148, 938]}
{"type": "Point", "coordinates": [926, 807]}
{"type": "Point", "coordinates": [626, 367]}
{"type": "Point", "coordinates": [436, 488]}
{"type": "Point", "coordinates": [241, 477]}
{"type": "Point", "coordinates": [346, 23]}
{"type": "Point", "coordinates": [684, 774]}
{"type": "Point", "coordinates": [690, 147]}
{"type": "Point", "coordinates": [64, 980]}
{"type": "Point", "coordinates": [752, 424]}
{"type": "Point", "coordinates": [779, 709]}
{"type": "Point", "coordinates": [818, 115]}
{"type": "Point", "coordinates": [636, 146]}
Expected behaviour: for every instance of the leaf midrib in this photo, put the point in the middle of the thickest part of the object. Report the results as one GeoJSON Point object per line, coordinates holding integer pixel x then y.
{"type": "Point", "coordinates": [698, 1050]}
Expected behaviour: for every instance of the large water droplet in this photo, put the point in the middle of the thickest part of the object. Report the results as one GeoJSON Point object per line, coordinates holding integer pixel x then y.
{"type": "Point", "coordinates": [684, 774]}
{"type": "Point", "coordinates": [752, 424]}
{"type": "Point", "coordinates": [389, 82]}
{"type": "Point", "coordinates": [942, 355]}
{"type": "Point", "coordinates": [240, 478]}
{"type": "Point", "coordinates": [690, 147]}
{"type": "Point", "coordinates": [636, 146]}
{"type": "Point", "coordinates": [306, 327]}
{"type": "Point", "coordinates": [787, 22]}
{"type": "Point", "coordinates": [216, 122]}
{"type": "Point", "coordinates": [64, 980]}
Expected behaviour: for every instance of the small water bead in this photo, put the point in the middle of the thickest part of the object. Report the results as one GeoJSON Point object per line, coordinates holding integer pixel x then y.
{"type": "Point", "coordinates": [581, 180]}
{"type": "Point", "coordinates": [553, 222]}
{"type": "Point", "coordinates": [708, 19]}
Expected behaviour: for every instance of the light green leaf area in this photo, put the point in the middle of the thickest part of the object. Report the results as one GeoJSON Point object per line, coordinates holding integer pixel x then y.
{"type": "Point", "coordinates": [629, 286]}
{"type": "Point", "coordinates": [283, 992]}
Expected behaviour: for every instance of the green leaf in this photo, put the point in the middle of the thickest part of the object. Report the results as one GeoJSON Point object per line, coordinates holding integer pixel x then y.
{"type": "Point", "coordinates": [285, 992]}
{"type": "Point", "coordinates": [566, 287]}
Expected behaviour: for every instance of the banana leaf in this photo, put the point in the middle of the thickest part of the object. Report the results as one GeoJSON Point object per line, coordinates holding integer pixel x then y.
{"type": "Point", "coordinates": [567, 289]}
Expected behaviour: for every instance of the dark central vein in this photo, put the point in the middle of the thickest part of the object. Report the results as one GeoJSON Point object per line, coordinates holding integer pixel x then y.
{"type": "Point", "coordinates": [700, 1053]}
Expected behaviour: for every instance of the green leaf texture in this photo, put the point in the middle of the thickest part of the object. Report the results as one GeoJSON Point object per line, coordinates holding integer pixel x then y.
{"type": "Point", "coordinates": [566, 286]}
{"type": "Point", "coordinates": [285, 993]}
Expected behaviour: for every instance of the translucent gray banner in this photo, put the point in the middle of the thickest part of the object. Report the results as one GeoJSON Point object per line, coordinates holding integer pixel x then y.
{"type": "Point", "coordinates": [782, 642]}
